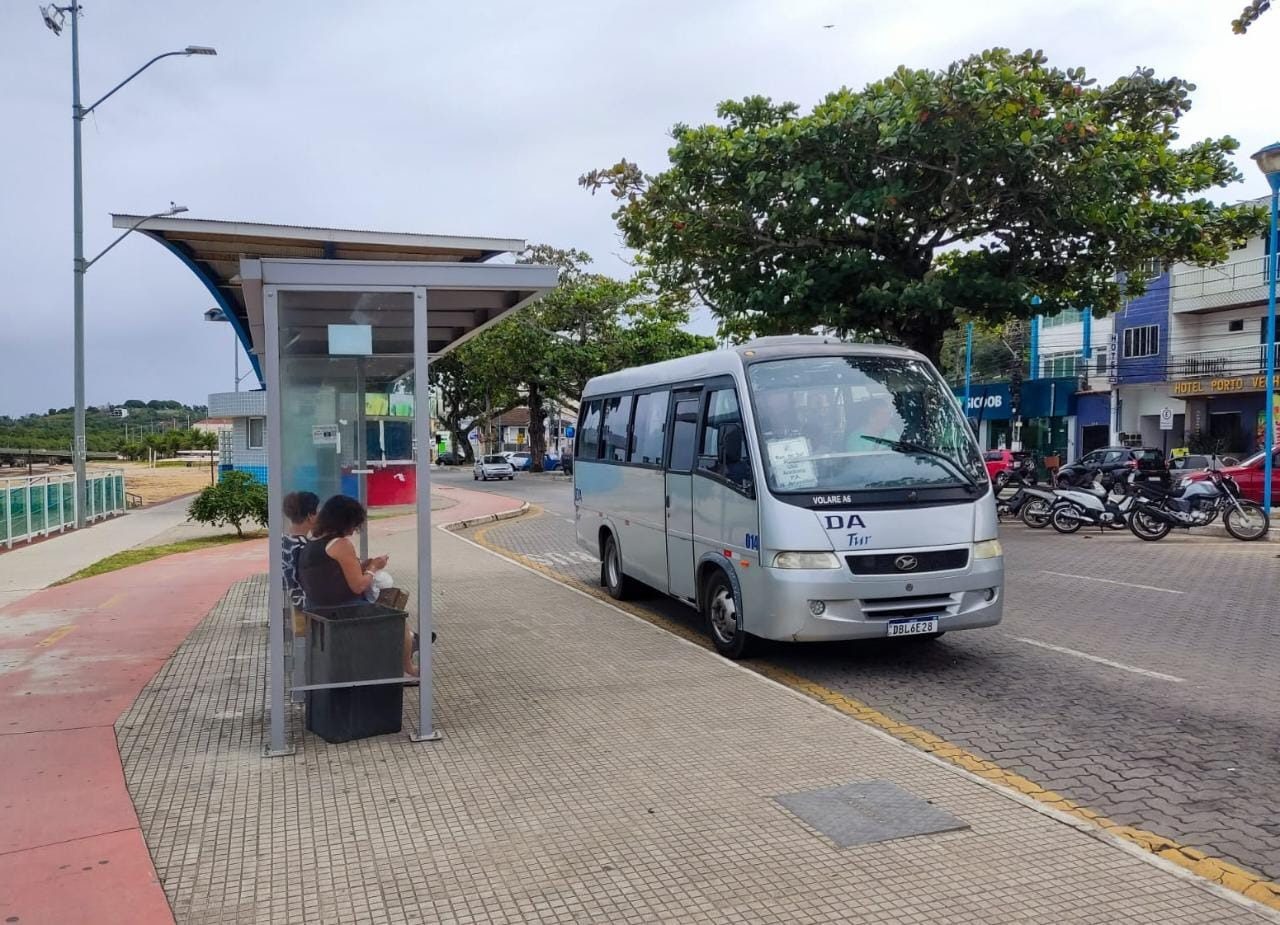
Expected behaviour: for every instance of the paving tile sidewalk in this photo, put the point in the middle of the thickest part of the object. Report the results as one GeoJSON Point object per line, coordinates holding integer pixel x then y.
{"type": "Point", "coordinates": [593, 769]}
{"type": "Point", "coordinates": [29, 568]}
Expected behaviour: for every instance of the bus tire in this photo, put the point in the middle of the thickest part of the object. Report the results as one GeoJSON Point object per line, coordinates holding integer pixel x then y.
{"type": "Point", "coordinates": [612, 578]}
{"type": "Point", "coordinates": [724, 622]}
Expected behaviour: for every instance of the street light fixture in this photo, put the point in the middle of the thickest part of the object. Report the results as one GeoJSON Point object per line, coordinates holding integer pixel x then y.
{"type": "Point", "coordinates": [218, 315]}
{"type": "Point", "coordinates": [55, 18]}
{"type": "Point", "coordinates": [1268, 161]}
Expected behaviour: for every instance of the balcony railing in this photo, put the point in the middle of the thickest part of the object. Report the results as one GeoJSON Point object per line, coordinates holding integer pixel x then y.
{"type": "Point", "coordinates": [1220, 362]}
{"type": "Point", "coordinates": [1213, 286]}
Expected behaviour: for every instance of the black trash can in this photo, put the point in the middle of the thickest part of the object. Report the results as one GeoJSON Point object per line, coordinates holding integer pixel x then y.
{"type": "Point", "coordinates": [358, 642]}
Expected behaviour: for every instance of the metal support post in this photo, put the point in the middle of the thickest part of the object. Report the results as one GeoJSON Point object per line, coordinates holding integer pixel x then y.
{"type": "Point", "coordinates": [968, 364]}
{"type": "Point", "coordinates": [276, 743]}
{"type": "Point", "coordinates": [1273, 263]}
{"type": "Point", "coordinates": [426, 731]}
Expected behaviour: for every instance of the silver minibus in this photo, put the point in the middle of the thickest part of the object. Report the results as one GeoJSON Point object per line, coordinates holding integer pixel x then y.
{"type": "Point", "coordinates": [792, 488]}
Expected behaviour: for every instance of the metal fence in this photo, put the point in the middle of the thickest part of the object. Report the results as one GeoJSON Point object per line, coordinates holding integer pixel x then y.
{"type": "Point", "coordinates": [34, 506]}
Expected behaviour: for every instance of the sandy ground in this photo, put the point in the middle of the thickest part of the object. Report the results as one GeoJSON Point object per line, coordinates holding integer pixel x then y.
{"type": "Point", "coordinates": [155, 485]}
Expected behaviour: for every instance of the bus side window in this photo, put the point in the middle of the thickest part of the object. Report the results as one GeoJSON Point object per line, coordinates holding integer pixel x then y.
{"type": "Point", "coordinates": [588, 442]}
{"type": "Point", "coordinates": [684, 435]}
{"type": "Point", "coordinates": [723, 448]}
{"type": "Point", "coordinates": [617, 417]}
{"type": "Point", "coordinates": [648, 429]}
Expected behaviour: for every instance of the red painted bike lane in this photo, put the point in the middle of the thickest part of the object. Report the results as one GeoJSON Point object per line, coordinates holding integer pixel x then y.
{"type": "Point", "coordinates": [72, 660]}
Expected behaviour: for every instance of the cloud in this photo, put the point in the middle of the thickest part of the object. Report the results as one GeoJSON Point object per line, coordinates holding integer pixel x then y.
{"type": "Point", "coordinates": [451, 118]}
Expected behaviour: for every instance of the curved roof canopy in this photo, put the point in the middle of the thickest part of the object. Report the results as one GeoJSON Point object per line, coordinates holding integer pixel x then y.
{"type": "Point", "coordinates": [235, 259]}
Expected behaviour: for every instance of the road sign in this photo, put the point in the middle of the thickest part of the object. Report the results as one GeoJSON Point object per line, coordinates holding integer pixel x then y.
{"type": "Point", "coordinates": [520, 438]}
{"type": "Point", "coordinates": [568, 431]}
{"type": "Point", "coordinates": [1166, 418]}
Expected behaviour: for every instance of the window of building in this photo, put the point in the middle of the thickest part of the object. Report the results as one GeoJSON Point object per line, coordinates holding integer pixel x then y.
{"type": "Point", "coordinates": [1069, 316]}
{"type": "Point", "coordinates": [1101, 354]}
{"type": "Point", "coordinates": [1055, 365]}
{"type": "Point", "coordinates": [1142, 341]}
{"type": "Point", "coordinates": [588, 443]}
{"type": "Point", "coordinates": [1150, 269]}
{"type": "Point", "coordinates": [723, 448]}
{"type": "Point", "coordinates": [257, 433]}
{"type": "Point", "coordinates": [648, 432]}
{"type": "Point", "coordinates": [617, 417]}
{"type": "Point", "coordinates": [1237, 324]}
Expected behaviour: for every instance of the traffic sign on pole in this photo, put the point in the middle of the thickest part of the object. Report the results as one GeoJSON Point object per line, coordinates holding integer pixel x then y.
{"type": "Point", "coordinates": [1166, 418]}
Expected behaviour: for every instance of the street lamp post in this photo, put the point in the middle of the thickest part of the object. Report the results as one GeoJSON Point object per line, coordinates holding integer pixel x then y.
{"type": "Point", "coordinates": [1268, 161]}
{"type": "Point", "coordinates": [55, 17]}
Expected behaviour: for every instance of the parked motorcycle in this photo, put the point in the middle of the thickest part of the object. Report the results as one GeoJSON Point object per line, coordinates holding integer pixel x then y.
{"type": "Point", "coordinates": [1197, 504]}
{"type": "Point", "coordinates": [1092, 503]}
{"type": "Point", "coordinates": [1030, 502]}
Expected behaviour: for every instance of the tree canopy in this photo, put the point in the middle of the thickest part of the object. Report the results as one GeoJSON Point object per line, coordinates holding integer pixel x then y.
{"type": "Point", "coordinates": [931, 196]}
{"type": "Point", "coordinates": [544, 354]}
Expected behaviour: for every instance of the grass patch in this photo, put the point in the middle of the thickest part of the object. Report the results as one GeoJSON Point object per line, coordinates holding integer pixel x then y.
{"type": "Point", "coordinates": [142, 554]}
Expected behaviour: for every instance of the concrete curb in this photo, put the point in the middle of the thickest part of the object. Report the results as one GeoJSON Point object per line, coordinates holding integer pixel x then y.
{"type": "Point", "coordinates": [458, 525]}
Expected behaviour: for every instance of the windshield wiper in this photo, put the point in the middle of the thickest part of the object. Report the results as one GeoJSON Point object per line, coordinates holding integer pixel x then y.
{"type": "Point", "coordinates": [907, 446]}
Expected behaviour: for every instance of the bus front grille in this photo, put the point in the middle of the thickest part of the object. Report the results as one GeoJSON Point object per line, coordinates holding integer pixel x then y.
{"type": "Point", "coordinates": [891, 563]}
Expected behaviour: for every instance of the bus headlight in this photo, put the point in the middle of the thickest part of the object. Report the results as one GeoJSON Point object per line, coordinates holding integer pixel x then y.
{"type": "Point", "coordinates": [806, 560]}
{"type": "Point", "coordinates": [988, 549]}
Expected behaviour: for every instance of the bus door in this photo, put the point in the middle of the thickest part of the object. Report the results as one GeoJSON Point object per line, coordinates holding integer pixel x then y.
{"type": "Point", "coordinates": [679, 491]}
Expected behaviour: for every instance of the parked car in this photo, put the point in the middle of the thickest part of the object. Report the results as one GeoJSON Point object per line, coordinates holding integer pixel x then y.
{"type": "Point", "coordinates": [493, 466]}
{"type": "Point", "coordinates": [1001, 463]}
{"type": "Point", "coordinates": [1182, 466]}
{"type": "Point", "coordinates": [450, 459]}
{"type": "Point", "coordinates": [1248, 476]}
{"type": "Point", "coordinates": [523, 461]}
{"type": "Point", "coordinates": [1109, 461]}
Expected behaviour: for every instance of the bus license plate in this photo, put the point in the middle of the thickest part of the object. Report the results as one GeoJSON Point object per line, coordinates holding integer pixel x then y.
{"type": "Point", "coordinates": [913, 627]}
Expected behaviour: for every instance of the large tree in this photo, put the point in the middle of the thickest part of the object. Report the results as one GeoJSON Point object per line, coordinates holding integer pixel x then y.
{"type": "Point", "coordinates": [543, 355]}
{"type": "Point", "coordinates": [889, 212]}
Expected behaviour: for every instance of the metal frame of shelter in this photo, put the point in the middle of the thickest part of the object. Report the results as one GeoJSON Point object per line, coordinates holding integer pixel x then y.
{"type": "Point", "coordinates": [456, 293]}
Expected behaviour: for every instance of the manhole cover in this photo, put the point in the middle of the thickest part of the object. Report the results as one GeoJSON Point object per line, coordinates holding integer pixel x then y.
{"type": "Point", "coordinates": [868, 811]}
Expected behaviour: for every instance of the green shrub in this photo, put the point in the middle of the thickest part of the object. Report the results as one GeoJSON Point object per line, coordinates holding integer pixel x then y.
{"type": "Point", "coordinates": [236, 499]}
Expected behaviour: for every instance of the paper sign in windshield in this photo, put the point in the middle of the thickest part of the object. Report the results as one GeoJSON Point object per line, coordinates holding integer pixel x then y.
{"type": "Point", "coordinates": [791, 460]}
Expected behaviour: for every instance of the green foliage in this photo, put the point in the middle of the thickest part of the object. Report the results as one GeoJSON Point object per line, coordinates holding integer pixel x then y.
{"type": "Point", "coordinates": [104, 432]}
{"type": "Point", "coordinates": [234, 501]}
{"type": "Point", "coordinates": [996, 352]}
{"type": "Point", "coordinates": [544, 354]}
{"type": "Point", "coordinates": [889, 212]}
{"type": "Point", "coordinates": [1250, 14]}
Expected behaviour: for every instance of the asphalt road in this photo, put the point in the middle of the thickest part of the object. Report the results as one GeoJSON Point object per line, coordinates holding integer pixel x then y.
{"type": "Point", "coordinates": [1138, 679]}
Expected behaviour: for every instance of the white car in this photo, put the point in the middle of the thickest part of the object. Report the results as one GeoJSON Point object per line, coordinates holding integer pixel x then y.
{"type": "Point", "coordinates": [493, 467]}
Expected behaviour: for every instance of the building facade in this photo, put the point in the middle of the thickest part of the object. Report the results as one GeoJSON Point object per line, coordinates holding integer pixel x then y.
{"type": "Point", "coordinates": [1217, 367]}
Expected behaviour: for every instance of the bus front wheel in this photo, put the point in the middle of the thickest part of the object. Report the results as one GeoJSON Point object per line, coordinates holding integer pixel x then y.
{"type": "Point", "coordinates": [612, 577]}
{"type": "Point", "coordinates": [720, 606]}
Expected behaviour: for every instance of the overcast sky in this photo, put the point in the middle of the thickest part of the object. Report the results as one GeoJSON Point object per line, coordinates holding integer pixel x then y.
{"type": "Point", "coordinates": [459, 118]}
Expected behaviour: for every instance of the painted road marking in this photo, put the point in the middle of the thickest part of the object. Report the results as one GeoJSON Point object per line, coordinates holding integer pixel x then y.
{"type": "Point", "coordinates": [1109, 581]}
{"type": "Point", "coordinates": [1145, 672]}
{"type": "Point", "coordinates": [1220, 872]}
{"type": "Point", "coordinates": [54, 636]}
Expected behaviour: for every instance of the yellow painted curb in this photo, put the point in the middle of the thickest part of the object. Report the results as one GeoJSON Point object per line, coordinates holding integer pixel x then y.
{"type": "Point", "coordinates": [1219, 871]}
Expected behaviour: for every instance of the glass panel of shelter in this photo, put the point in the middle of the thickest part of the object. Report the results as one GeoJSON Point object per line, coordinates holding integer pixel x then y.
{"type": "Point", "coordinates": [347, 391]}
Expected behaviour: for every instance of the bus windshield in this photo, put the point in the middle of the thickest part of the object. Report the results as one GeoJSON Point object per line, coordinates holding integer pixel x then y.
{"type": "Point", "coordinates": [860, 423]}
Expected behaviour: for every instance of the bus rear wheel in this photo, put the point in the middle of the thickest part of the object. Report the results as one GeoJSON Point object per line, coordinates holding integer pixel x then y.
{"type": "Point", "coordinates": [720, 608]}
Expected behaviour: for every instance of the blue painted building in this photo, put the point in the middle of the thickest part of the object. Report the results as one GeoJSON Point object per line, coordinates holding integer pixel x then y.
{"type": "Point", "coordinates": [1140, 343]}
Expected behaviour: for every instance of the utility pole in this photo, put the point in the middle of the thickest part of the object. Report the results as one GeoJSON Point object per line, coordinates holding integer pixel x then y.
{"type": "Point", "coordinates": [54, 17]}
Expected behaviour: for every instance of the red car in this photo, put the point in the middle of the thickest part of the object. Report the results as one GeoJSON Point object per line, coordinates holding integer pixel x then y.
{"type": "Point", "coordinates": [1003, 461]}
{"type": "Point", "coordinates": [1248, 476]}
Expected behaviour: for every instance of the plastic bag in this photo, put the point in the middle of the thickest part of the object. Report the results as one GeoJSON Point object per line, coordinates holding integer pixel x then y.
{"type": "Point", "coordinates": [381, 581]}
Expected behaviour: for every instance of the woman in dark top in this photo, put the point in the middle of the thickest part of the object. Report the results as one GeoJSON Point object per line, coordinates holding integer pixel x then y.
{"type": "Point", "coordinates": [330, 572]}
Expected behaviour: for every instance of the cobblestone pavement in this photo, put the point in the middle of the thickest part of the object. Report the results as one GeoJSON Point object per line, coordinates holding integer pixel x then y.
{"type": "Point", "coordinates": [593, 769]}
{"type": "Point", "coordinates": [1176, 731]}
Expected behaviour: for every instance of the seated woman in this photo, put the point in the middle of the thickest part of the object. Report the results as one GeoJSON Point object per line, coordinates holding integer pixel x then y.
{"type": "Point", "coordinates": [301, 508]}
{"type": "Point", "coordinates": [330, 572]}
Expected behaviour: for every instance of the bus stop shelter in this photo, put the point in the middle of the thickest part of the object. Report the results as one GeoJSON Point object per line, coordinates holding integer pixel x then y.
{"type": "Point", "coordinates": [341, 326]}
